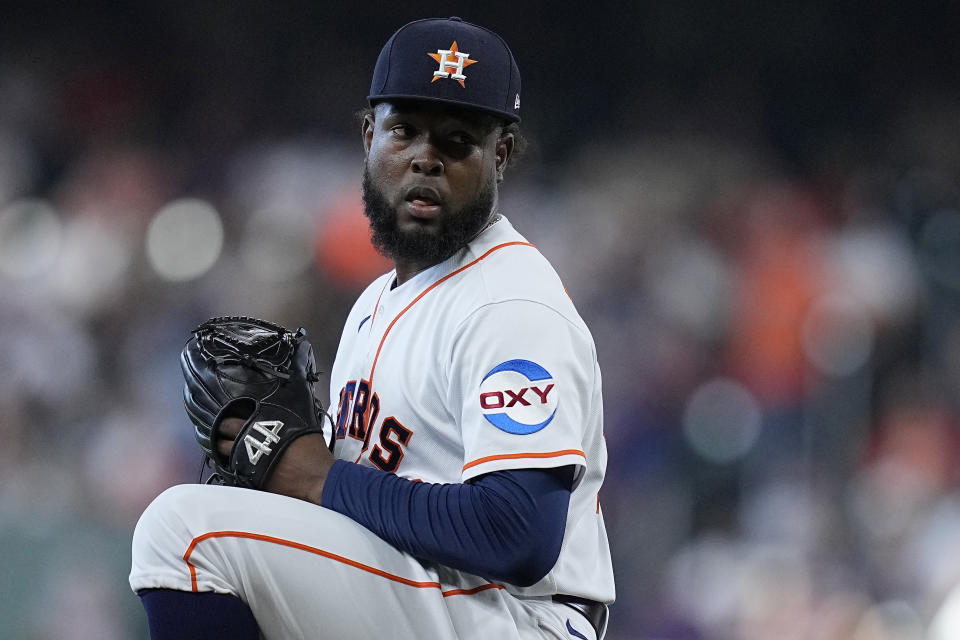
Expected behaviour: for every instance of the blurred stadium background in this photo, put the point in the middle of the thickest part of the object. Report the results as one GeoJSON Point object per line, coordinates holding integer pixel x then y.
{"type": "Point", "coordinates": [755, 206]}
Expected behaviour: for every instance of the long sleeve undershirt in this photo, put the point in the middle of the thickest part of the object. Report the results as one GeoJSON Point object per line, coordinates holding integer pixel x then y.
{"type": "Point", "coordinates": [506, 525]}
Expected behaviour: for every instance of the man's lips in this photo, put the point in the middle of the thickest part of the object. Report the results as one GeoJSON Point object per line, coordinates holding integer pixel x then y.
{"type": "Point", "coordinates": [423, 202]}
{"type": "Point", "coordinates": [421, 209]}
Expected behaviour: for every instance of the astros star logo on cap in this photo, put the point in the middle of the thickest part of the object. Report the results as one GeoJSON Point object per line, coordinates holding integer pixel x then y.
{"type": "Point", "coordinates": [443, 56]}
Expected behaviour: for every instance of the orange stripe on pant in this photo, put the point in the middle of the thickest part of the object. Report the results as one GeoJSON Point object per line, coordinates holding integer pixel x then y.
{"type": "Point", "coordinates": [326, 554]}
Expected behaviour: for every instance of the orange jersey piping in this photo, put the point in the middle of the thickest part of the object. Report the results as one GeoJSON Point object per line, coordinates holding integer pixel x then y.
{"type": "Point", "coordinates": [516, 456]}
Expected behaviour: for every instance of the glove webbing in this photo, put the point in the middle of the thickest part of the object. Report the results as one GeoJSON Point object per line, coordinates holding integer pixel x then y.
{"type": "Point", "coordinates": [253, 362]}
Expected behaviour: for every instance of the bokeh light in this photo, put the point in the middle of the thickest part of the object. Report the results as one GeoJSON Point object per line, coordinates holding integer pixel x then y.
{"type": "Point", "coordinates": [93, 264]}
{"type": "Point", "coordinates": [722, 420]}
{"type": "Point", "coordinates": [276, 247]}
{"type": "Point", "coordinates": [838, 335]}
{"type": "Point", "coordinates": [184, 239]}
{"type": "Point", "coordinates": [31, 235]}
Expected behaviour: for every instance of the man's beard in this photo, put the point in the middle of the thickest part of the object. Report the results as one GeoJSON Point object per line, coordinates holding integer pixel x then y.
{"type": "Point", "coordinates": [454, 230]}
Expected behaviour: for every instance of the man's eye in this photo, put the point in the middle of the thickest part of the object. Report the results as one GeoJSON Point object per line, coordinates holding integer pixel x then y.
{"type": "Point", "coordinates": [402, 130]}
{"type": "Point", "coordinates": [461, 138]}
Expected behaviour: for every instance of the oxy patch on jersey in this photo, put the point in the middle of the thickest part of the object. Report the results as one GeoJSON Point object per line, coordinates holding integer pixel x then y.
{"type": "Point", "coordinates": [518, 396]}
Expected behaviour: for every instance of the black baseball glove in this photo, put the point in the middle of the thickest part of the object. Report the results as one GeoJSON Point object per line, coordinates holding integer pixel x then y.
{"type": "Point", "coordinates": [241, 367]}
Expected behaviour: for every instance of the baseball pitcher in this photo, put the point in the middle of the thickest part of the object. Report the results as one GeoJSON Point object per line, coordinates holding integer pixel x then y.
{"type": "Point", "coordinates": [451, 489]}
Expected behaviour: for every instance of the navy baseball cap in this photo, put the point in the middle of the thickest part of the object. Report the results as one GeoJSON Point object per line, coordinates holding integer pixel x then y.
{"type": "Point", "coordinates": [450, 61]}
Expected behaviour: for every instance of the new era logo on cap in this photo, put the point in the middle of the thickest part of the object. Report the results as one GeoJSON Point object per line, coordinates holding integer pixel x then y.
{"type": "Point", "coordinates": [450, 61]}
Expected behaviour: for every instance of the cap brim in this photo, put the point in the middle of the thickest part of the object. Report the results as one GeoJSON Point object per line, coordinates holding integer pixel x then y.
{"type": "Point", "coordinates": [467, 106]}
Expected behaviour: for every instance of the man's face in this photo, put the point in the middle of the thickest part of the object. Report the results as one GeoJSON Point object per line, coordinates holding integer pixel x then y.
{"type": "Point", "coordinates": [429, 179]}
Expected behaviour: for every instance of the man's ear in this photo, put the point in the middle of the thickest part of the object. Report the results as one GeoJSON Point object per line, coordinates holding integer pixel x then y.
{"type": "Point", "coordinates": [366, 131]}
{"type": "Point", "coordinates": [504, 150]}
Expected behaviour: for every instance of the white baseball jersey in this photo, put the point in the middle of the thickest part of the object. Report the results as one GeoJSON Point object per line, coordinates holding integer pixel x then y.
{"type": "Point", "coordinates": [480, 363]}
{"type": "Point", "coordinates": [477, 364]}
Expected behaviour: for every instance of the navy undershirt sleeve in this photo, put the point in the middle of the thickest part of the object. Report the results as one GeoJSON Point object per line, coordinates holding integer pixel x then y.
{"type": "Point", "coordinates": [506, 525]}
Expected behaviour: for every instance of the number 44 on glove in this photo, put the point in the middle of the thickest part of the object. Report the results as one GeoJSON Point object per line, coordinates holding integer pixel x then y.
{"type": "Point", "coordinates": [240, 367]}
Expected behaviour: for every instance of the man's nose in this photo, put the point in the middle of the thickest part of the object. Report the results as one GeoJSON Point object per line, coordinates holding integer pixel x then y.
{"type": "Point", "coordinates": [426, 160]}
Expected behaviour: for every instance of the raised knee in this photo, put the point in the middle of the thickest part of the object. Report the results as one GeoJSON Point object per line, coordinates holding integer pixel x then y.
{"type": "Point", "coordinates": [160, 538]}
{"type": "Point", "coordinates": [164, 522]}
{"type": "Point", "coordinates": [169, 503]}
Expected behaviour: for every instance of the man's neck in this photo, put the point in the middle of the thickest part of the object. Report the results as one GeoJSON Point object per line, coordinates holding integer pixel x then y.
{"type": "Point", "coordinates": [407, 269]}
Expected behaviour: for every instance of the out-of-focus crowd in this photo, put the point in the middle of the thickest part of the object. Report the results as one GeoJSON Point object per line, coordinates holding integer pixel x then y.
{"type": "Point", "coordinates": [780, 341]}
